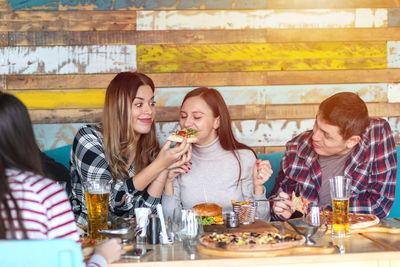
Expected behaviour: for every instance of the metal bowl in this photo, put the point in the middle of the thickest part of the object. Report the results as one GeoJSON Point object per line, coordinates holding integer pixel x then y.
{"type": "Point", "coordinates": [126, 234]}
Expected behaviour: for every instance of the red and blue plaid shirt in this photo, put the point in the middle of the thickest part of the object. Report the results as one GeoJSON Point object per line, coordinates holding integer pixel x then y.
{"type": "Point", "coordinates": [372, 167]}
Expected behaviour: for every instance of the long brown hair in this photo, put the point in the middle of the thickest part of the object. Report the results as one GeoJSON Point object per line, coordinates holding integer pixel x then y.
{"type": "Point", "coordinates": [18, 150]}
{"type": "Point", "coordinates": [117, 128]}
{"type": "Point", "coordinates": [218, 106]}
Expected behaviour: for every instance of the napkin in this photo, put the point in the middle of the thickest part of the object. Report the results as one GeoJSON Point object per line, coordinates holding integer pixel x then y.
{"type": "Point", "coordinates": [142, 219]}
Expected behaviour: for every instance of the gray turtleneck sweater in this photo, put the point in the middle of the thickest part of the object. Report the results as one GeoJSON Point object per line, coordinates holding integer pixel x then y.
{"type": "Point", "coordinates": [213, 178]}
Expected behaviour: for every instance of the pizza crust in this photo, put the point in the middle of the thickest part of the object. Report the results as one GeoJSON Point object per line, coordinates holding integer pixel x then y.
{"type": "Point", "coordinates": [179, 139]}
{"type": "Point", "coordinates": [356, 220]}
{"type": "Point", "coordinates": [297, 240]}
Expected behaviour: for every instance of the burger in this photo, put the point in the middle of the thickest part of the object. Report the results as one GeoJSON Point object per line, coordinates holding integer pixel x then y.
{"type": "Point", "coordinates": [210, 213]}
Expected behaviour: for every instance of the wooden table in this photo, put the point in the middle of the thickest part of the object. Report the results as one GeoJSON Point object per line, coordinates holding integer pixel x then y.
{"type": "Point", "coordinates": [360, 250]}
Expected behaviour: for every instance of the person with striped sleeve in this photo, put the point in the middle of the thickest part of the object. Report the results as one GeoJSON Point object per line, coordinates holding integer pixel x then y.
{"type": "Point", "coordinates": [33, 206]}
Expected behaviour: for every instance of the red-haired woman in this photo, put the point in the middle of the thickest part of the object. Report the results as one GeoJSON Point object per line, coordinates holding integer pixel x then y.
{"type": "Point", "coordinates": [124, 150]}
{"type": "Point", "coordinates": [222, 169]}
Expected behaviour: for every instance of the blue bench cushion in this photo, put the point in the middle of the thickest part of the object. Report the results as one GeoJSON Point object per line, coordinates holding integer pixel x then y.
{"type": "Point", "coordinates": [60, 154]}
{"type": "Point", "coordinates": [275, 160]}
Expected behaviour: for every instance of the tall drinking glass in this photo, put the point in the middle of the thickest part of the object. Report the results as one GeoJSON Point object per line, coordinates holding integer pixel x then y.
{"type": "Point", "coordinates": [340, 194]}
{"type": "Point", "coordinates": [97, 194]}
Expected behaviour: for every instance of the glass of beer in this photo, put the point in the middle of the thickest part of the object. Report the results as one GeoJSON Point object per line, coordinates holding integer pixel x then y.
{"type": "Point", "coordinates": [340, 194]}
{"type": "Point", "coordinates": [97, 194]}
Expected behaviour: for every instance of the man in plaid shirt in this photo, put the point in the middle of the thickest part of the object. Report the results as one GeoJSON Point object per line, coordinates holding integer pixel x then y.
{"type": "Point", "coordinates": [344, 141]}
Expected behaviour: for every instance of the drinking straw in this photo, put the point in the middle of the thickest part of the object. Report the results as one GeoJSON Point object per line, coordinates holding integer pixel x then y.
{"type": "Point", "coordinates": [204, 192]}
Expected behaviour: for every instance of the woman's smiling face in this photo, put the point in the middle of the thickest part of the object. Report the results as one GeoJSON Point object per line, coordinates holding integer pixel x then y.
{"type": "Point", "coordinates": [143, 110]}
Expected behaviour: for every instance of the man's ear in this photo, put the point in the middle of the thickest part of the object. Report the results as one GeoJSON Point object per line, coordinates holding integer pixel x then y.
{"type": "Point", "coordinates": [353, 141]}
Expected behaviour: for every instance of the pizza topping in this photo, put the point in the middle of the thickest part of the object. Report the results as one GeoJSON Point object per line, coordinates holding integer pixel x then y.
{"type": "Point", "coordinates": [240, 239]}
{"type": "Point", "coordinates": [186, 132]}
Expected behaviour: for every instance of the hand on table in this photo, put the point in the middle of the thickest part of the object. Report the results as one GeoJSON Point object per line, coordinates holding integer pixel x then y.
{"type": "Point", "coordinates": [110, 249]}
{"type": "Point", "coordinates": [283, 207]}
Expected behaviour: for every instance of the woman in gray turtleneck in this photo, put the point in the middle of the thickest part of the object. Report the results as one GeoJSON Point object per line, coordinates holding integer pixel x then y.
{"type": "Point", "coordinates": [222, 169]}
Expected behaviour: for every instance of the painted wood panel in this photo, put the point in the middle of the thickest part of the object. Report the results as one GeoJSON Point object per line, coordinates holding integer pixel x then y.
{"type": "Point", "coordinates": [394, 17]}
{"type": "Point", "coordinates": [193, 4]}
{"type": "Point", "coordinates": [289, 94]}
{"type": "Point", "coordinates": [43, 38]}
{"type": "Point", "coordinates": [255, 133]}
{"type": "Point", "coordinates": [3, 39]}
{"type": "Point", "coordinates": [235, 95]}
{"type": "Point", "coordinates": [393, 50]}
{"type": "Point", "coordinates": [394, 93]}
{"type": "Point", "coordinates": [50, 136]}
{"type": "Point", "coordinates": [51, 116]}
{"type": "Point", "coordinates": [49, 99]}
{"type": "Point", "coordinates": [101, 81]}
{"type": "Point", "coordinates": [261, 57]}
{"type": "Point", "coordinates": [68, 21]}
{"type": "Point", "coordinates": [238, 112]}
{"type": "Point", "coordinates": [261, 19]}
{"type": "Point", "coordinates": [67, 59]}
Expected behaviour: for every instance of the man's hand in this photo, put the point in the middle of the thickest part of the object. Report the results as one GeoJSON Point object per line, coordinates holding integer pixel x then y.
{"type": "Point", "coordinates": [283, 207]}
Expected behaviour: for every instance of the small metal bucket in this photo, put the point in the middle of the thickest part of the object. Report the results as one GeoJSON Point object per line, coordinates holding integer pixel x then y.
{"type": "Point", "coordinates": [246, 213]}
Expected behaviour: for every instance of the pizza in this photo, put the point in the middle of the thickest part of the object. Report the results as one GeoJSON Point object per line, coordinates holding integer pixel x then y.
{"type": "Point", "coordinates": [179, 135]}
{"type": "Point", "coordinates": [251, 241]}
{"type": "Point", "coordinates": [356, 220]}
{"type": "Point", "coordinates": [299, 203]}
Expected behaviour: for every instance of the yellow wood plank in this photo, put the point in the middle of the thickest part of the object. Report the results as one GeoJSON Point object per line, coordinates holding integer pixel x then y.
{"type": "Point", "coordinates": [48, 99]}
{"type": "Point", "coordinates": [79, 81]}
{"type": "Point", "coordinates": [261, 57]}
{"type": "Point", "coordinates": [67, 21]}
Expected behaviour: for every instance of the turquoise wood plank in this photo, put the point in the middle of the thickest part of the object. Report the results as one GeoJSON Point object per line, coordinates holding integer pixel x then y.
{"type": "Point", "coordinates": [290, 94]}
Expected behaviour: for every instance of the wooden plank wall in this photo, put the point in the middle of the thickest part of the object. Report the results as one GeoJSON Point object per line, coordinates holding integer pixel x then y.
{"type": "Point", "coordinates": [272, 60]}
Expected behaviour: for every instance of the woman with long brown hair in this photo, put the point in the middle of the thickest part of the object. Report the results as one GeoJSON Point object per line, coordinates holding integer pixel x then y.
{"type": "Point", "coordinates": [124, 150]}
{"type": "Point", "coordinates": [222, 169]}
{"type": "Point", "coordinates": [33, 206]}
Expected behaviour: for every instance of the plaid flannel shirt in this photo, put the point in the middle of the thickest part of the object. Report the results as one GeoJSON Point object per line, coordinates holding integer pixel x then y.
{"type": "Point", "coordinates": [372, 167]}
{"type": "Point", "coordinates": [89, 162]}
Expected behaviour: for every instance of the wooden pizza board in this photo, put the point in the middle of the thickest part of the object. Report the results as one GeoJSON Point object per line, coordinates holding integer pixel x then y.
{"type": "Point", "coordinates": [268, 253]}
{"type": "Point", "coordinates": [257, 226]}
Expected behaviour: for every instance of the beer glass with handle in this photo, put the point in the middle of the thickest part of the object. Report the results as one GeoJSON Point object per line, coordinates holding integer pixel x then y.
{"type": "Point", "coordinates": [340, 194]}
{"type": "Point", "coordinates": [97, 193]}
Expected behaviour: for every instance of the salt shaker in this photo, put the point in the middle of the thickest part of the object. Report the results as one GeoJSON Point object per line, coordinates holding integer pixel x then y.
{"type": "Point", "coordinates": [232, 219]}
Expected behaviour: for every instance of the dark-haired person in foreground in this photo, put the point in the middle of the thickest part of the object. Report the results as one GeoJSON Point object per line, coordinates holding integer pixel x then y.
{"type": "Point", "coordinates": [33, 206]}
{"type": "Point", "coordinates": [344, 141]}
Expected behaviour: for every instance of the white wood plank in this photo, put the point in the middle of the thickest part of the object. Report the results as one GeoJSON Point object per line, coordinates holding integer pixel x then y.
{"type": "Point", "coordinates": [260, 19]}
{"type": "Point", "coordinates": [393, 53]}
{"type": "Point", "coordinates": [285, 94]}
{"type": "Point", "coordinates": [67, 59]}
{"type": "Point", "coordinates": [394, 93]}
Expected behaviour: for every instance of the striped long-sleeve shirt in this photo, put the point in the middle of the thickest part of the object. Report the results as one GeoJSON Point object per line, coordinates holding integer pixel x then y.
{"type": "Point", "coordinates": [45, 209]}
